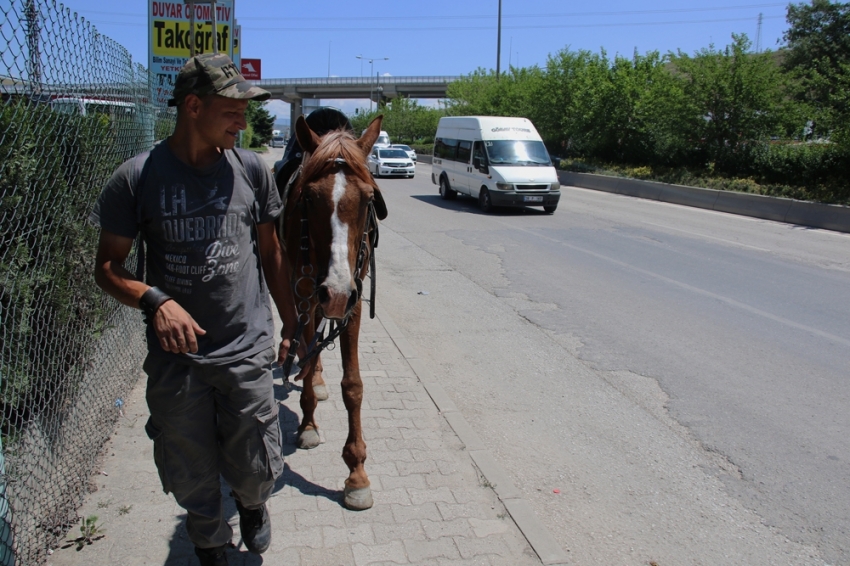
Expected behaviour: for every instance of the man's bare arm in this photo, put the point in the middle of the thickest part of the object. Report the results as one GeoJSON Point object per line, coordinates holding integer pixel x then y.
{"type": "Point", "coordinates": [176, 329]}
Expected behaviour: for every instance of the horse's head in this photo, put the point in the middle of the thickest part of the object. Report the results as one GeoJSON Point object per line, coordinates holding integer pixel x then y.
{"type": "Point", "coordinates": [335, 190]}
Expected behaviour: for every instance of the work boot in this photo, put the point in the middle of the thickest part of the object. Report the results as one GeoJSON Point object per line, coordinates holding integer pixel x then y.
{"type": "Point", "coordinates": [256, 528]}
{"type": "Point", "coordinates": [212, 556]}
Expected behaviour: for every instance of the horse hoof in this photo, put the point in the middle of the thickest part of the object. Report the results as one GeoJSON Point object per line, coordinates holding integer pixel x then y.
{"type": "Point", "coordinates": [358, 499]}
{"type": "Point", "coordinates": [321, 392]}
{"type": "Point", "coordinates": [309, 439]}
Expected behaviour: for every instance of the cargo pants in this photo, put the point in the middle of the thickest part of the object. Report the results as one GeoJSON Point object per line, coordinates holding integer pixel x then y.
{"type": "Point", "coordinates": [209, 420]}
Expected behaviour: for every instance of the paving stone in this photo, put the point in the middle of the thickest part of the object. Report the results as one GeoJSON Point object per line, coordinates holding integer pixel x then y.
{"type": "Point", "coordinates": [390, 482]}
{"type": "Point", "coordinates": [333, 536]}
{"type": "Point", "coordinates": [410, 530]}
{"type": "Point", "coordinates": [486, 527]}
{"type": "Point", "coordinates": [422, 467]}
{"type": "Point", "coordinates": [440, 548]}
{"type": "Point", "coordinates": [470, 547]}
{"type": "Point", "coordinates": [439, 529]}
{"type": "Point", "coordinates": [398, 495]}
{"type": "Point", "coordinates": [404, 513]}
{"type": "Point", "coordinates": [306, 520]}
{"type": "Point", "coordinates": [441, 494]}
{"type": "Point", "coordinates": [393, 551]}
{"type": "Point", "coordinates": [335, 556]}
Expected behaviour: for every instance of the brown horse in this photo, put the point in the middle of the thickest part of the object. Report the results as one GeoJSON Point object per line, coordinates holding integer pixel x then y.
{"type": "Point", "coordinates": [329, 229]}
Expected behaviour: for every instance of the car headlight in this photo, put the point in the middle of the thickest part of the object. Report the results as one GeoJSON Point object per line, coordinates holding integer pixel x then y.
{"type": "Point", "coordinates": [505, 186]}
{"type": "Point", "coordinates": [556, 186]}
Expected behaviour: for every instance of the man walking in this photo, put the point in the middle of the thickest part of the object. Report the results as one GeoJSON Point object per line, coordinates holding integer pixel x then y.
{"type": "Point", "coordinates": [206, 214]}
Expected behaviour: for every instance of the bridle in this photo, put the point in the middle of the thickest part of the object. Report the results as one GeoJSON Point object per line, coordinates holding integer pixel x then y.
{"type": "Point", "coordinates": [309, 276]}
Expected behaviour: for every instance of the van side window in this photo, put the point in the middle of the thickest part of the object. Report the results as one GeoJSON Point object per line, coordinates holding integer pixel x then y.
{"type": "Point", "coordinates": [464, 150]}
{"type": "Point", "coordinates": [478, 151]}
{"type": "Point", "coordinates": [446, 148]}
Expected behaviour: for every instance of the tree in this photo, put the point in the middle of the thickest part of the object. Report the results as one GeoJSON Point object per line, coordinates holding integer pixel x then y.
{"type": "Point", "coordinates": [733, 97]}
{"type": "Point", "coordinates": [261, 123]}
{"type": "Point", "coordinates": [405, 120]}
{"type": "Point", "coordinates": [818, 58]}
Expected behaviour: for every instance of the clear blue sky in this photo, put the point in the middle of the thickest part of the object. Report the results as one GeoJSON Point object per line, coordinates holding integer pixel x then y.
{"type": "Point", "coordinates": [453, 37]}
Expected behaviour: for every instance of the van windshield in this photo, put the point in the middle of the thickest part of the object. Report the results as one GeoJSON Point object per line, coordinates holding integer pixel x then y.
{"type": "Point", "coordinates": [517, 152]}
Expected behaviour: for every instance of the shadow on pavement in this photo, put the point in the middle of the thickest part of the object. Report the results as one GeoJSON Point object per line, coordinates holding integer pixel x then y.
{"type": "Point", "coordinates": [181, 551]}
{"type": "Point", "coordinates": [468, 204]}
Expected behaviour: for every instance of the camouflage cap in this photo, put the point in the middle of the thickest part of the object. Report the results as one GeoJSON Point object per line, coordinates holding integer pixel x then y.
{"type": "Point", "coordinates": [214, 73]}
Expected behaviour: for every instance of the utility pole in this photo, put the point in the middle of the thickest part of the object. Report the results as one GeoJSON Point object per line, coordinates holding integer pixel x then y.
{"type": "Point", "coordinates": [499, 43]}
{"type": "Point", "coordinates": [758, 35]}
{"type": "Point", "coordinates": [33, 30]}
{"type": "Point", "coordinates": [371, 72]}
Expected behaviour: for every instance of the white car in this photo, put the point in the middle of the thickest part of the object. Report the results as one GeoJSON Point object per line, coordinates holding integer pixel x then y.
{"type": "Point", "coordinates": [391, 162]}
{"type": "Point", "coordinates": [407, 149]}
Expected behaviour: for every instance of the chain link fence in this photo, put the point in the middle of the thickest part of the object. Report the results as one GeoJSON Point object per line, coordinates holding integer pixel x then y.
{"type": "Point", "coordinates": [74, 106]}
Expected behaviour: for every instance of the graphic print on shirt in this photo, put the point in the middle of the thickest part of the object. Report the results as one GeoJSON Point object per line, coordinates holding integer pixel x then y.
{"type": "Point", "coordinates": [202, 236]}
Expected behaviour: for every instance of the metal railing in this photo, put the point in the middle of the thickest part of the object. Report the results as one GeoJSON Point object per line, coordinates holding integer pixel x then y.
{"type": "Point", "coordinates": [356, 81]}
{"type": "Point", "coordinates": [74, 106]}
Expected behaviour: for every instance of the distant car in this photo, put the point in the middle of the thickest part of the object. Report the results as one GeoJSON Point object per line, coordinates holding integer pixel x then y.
{"type": "Point", "coordinates": [407, 149]}
{"type": "Point", "coordinates": [278, 141]}
{"type": "Point", "coordinates": [391, 162]}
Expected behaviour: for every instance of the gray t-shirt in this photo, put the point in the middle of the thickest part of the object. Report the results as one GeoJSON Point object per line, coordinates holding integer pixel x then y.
{"type": "Point", "coordinates": [201, 244]}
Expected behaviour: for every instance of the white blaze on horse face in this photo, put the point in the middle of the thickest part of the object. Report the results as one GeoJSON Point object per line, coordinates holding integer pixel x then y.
{"type": "Point", "coordinates": [339, 273]}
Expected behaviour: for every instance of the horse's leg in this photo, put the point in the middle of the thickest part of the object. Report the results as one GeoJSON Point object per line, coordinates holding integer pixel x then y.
{"type": "Point", "coordinates": [319, 386]}
{"type": "Point", "coordinates": [358, 494]}
{"type": "Point", "coordinates": [308, 431]}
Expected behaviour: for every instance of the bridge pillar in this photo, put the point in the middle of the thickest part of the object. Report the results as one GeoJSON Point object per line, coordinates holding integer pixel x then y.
{"type": "Point", "coordinates": [295, 110]}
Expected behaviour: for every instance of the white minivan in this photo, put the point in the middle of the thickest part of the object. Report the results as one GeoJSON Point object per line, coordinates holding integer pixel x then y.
{"type": "Point", "coordinates": [501, 161]}
{"type": "Point", "coordinates": [382, 141]}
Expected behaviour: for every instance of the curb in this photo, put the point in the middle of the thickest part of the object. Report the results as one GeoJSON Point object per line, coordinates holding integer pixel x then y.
{"type": "Point", "coordinates": [520, 510]}
{"type": "Point", "coordinates": [803, 213]}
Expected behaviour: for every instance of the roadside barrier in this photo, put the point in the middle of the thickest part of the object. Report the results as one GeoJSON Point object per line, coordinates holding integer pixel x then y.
{"type": "Point", "coordinates": [74, 106]}
{"type": "Point", "coordinates": [811, 214]}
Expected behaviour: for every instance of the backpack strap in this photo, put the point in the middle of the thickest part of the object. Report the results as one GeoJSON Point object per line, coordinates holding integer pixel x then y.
{"type": "Point", "coordinates": [255, 216]}
{"type": "Point", "coordinates": [141, 167]}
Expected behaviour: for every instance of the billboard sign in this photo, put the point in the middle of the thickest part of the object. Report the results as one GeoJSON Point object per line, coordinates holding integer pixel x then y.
{"type": "Point", "coordinates": [170, 34]}
{"type": "Point", "coordinates": [251, 69]}
{"type": "Point", "coordinates": [237, 42]}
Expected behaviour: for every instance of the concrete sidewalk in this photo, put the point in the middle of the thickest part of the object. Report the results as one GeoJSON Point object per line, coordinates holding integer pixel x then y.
{"type": "Point", "coordinates": [440, 498]}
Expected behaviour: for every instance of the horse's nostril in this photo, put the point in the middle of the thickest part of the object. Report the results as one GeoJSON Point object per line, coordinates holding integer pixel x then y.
{"type": "Point", "coordinates": [352, 300]}
{"type": "Point", "coordinates": [324, 296]}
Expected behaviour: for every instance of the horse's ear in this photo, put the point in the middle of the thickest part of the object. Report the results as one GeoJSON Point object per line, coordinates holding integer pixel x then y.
{"type": "Point", "coordinates": [367, 140]}
{"type": "Point", "coordinates": [307, 138]}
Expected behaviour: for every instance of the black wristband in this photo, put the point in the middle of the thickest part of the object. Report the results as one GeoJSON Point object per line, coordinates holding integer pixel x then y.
{"type": "Point", "coordinates": [151, 301]}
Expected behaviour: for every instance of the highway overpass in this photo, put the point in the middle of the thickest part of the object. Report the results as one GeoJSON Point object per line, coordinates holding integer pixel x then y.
{"type": "Point", "coordinates": [378, 89]}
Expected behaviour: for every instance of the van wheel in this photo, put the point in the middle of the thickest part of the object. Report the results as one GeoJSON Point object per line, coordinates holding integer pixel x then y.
{"type": "Point", "coordinates": [446, 192]}
{"type": "Point", "coordinates": [484, 200]}
{"type": "Point", "coordinates": [550, 209]}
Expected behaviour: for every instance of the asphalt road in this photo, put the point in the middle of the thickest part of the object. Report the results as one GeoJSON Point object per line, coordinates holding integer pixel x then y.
{"type": "Point", "coordinates": [663, 383]}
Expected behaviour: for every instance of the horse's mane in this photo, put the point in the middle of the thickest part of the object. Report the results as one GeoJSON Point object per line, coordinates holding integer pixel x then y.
{"type": "Point", "coordinates": [337, 144]}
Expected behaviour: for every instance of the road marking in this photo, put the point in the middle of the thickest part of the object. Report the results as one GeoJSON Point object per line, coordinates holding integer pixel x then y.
{"type": "Point", "coordinates": [721, 298]}
{"type": "Point", "coordinates": [732, 242]}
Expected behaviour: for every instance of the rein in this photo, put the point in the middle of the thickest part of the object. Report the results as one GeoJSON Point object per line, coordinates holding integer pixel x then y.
{"type": "Point", "coordinates": [368, 242]}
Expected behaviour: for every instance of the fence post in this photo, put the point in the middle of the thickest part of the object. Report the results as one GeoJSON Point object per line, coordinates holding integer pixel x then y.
{"type": "Point", "coordinates": [7, 554]}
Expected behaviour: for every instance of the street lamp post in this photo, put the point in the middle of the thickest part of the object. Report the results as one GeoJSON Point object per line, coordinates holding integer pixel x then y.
{"type": "Point", "coordinates": [371, 72]}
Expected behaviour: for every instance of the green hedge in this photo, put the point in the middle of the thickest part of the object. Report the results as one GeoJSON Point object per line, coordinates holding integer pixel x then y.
{"type": "Point", "coordinates": [52, 167]}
